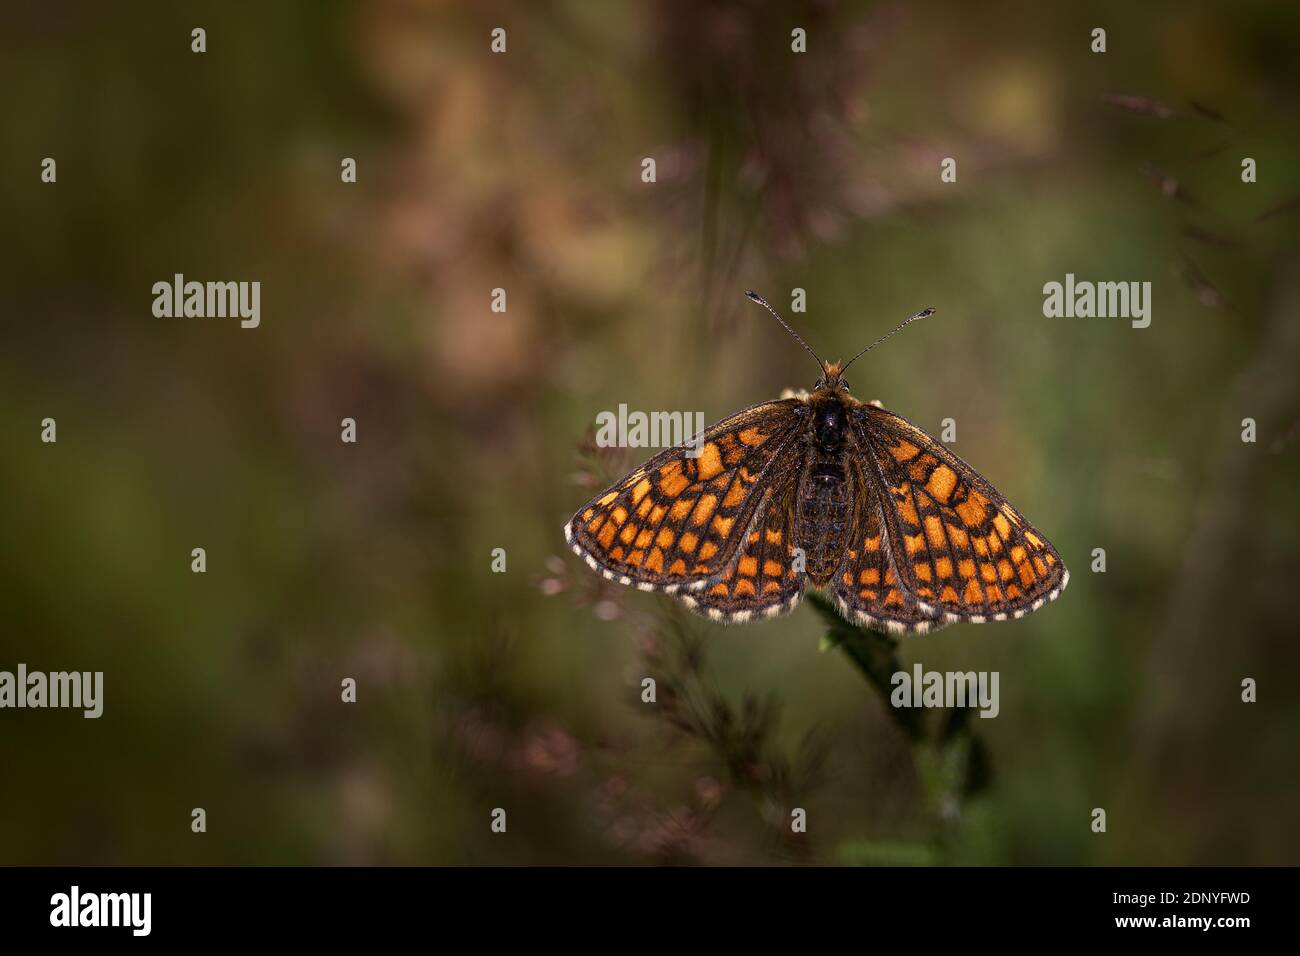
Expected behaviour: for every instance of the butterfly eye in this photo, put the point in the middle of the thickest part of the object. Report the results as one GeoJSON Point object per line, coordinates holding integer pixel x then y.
{"type": "Point", "coordinates": [844, 384]}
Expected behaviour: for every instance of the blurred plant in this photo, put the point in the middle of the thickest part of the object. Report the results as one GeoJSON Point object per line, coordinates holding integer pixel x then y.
{"type": "Point", "coordinates": [721, 789]}
{"type": "Point", "coordinates": [731, 784]}
{"type": "Point", "coordinates": [736, 737]}
{"type": "Point", "coordinates": [1171, 187]}
{"type": "Point", "coordinates": [604, 598]}
{"type": "Point", "coordinates": [951, 761]}
{"type": "Point", "coordinates": [734, 787]}
{"type": "Point", "coordinates": [599, 465]}
{"type": "Point", "coordinates": [767, 161]}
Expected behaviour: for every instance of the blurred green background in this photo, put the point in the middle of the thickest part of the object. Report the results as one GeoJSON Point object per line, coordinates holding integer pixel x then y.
{"type": "Point", "coordinates": [776, 171]}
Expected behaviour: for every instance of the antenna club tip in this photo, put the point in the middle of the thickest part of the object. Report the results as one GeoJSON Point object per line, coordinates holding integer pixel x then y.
{"type": "Point", "coordinates": [750, 293]}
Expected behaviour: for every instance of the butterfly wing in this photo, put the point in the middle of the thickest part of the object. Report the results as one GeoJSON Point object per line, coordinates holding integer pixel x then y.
{"type": "Point", "coordinates": [761, 580]}
{"type": "Point", "coordinates": [866, 587]}
{"type": "Point", "coordinates": [961, 550]}
{"type": "Point", "coordinates": [679, 521]}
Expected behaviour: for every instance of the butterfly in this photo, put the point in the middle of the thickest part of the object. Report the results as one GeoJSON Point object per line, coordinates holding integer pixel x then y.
{"type": "Point", "coordinates": [820, 490]}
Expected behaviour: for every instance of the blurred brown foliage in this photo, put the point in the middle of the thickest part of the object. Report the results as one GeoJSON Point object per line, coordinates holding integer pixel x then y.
{"type": "Point", "coordinates": [522, 172]}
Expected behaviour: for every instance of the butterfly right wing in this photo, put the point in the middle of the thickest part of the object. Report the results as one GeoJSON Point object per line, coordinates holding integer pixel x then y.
{"type": "Point", "coordinates": [679, 521]}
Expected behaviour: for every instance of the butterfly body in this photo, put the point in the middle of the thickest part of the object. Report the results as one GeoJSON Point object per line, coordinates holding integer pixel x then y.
{"type": "Point", "coordinates": [825, 515]}
{"type": "Point", "coordinates": [820, 490]}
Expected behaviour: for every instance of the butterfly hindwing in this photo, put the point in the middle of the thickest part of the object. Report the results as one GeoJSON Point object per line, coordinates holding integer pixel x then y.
{"type": "Point", "coordinates": [762, 579]}
{"type": "Point", "coordinates": [867, 586]}
{"type": "Point", "coordinates": [679, 520]}
{"type": "Point", "coordinates": [957, 544]}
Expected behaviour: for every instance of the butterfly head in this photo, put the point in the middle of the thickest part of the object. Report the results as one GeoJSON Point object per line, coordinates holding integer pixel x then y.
{"type": "Point", "coordinates": [832, 380]}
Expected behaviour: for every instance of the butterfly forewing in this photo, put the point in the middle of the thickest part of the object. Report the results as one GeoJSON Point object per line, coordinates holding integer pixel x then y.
{"type": "Point", "coordinates": [679, 520]}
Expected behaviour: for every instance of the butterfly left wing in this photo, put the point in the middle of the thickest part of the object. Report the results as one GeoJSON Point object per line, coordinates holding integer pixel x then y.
{"type": "Point", "coordinates": [680, 521]}
{"type": "Point", "coordinates": [957, 545]}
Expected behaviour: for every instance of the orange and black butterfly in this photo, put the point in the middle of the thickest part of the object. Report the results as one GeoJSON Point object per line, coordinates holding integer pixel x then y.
{"type": "Point", "coordinates": [820, 490]}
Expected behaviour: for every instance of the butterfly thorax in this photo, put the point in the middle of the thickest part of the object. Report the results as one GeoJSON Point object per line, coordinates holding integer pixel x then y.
{"type": "Point", "coordinates": [825, 512]}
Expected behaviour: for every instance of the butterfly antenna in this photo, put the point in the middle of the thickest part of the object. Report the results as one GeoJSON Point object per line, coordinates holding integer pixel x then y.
{"type": "Point", "coordinates": [902, 325]}
{"type": "Point", "coordinates": [763, 302]}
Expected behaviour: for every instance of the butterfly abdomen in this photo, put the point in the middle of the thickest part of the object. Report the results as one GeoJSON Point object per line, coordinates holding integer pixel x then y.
{"type": "Point", "coordinates": [825, 492]}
